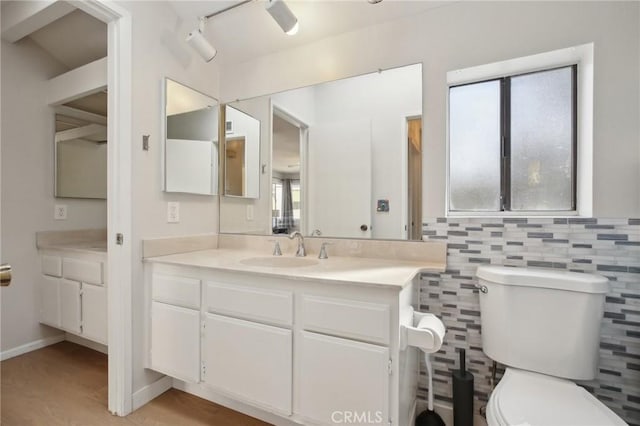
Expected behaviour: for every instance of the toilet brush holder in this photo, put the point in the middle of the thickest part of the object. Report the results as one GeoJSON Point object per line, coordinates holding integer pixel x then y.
{"type": "Point", "coordinates": [462, 394]}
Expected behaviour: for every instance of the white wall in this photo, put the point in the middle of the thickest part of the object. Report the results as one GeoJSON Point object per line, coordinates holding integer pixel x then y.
{"type": "Point", "coordinates": [159, 51]}
{"type": "Point", "coordinates": [466, 34]}
{"type": "Point", "coordinates": [27, 133]}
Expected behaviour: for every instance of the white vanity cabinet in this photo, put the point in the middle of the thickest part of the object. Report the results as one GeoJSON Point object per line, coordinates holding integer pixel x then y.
{"type": "Point", "coordinates": [313, 352]}
{"type": "Point", "coordinates": [73, 294]}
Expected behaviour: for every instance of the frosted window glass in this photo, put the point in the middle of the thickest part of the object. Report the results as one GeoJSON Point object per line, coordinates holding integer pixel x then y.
{"type": "Point", "coordinates": [474, 146]}
{"type": "Point", "coordinates": [542, 141]}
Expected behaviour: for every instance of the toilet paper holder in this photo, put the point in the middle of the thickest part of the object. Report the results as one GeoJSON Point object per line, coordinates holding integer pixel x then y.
{"type": "Point", "coordinates": [426, 333]}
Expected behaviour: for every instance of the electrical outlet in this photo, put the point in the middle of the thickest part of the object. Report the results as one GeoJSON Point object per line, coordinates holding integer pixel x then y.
{"type": "Point", "coordinates": [250, 212]}
{"type": "Point", "coordinates": [60, 212]}
{"type": "Point", "coordinates": [173, 212]}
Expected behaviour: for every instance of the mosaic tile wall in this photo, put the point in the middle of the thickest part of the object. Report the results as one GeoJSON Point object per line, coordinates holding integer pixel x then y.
{"type": "Point", "coordinates": [610, 247]}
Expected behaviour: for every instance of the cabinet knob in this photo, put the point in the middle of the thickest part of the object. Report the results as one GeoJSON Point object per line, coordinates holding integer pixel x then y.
{"type": "Point", "coordinates": [364, 227]}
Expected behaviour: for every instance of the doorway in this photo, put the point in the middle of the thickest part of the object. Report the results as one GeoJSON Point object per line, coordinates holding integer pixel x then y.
{"type": "Point", "coordinates": [289, 140]}
{"type": "Point", "coordinates": [115, 70]}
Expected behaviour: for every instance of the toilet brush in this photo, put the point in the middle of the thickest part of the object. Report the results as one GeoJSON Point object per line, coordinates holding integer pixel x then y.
{"type": "Point", "coordinates": [429, 417]}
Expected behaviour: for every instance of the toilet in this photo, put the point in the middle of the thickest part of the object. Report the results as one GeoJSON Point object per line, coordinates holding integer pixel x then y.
{"type": "Point", "coordinates": [544, 326]}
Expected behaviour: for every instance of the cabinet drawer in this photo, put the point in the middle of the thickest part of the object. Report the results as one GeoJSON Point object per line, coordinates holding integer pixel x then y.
{"type": "Point", "coordinates": [82, 270]}
{"type": "Point", "coordinates": [174, 290]}
{"type": "Point", "coordinates": [271, 306]}
{"type": "Point", "coordinates": [347, 318]}
{"type": "Point", "coordinates": [52, 265]}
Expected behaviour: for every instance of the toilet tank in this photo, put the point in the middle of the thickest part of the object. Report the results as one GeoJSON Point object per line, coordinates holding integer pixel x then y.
{"type": "Point", "coordinates": [542, 320]}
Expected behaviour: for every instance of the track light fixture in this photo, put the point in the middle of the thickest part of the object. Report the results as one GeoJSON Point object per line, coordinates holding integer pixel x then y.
{"type": "Point", "coordinates": [278, 10]}
{"type": "Point", "coordinates": [281, 13]}
{"type": "Point", "coordinates": [200, 44]}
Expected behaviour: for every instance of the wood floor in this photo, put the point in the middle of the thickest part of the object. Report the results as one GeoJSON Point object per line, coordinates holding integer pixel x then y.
{"type": "Point", "coordinates": [66, 384]}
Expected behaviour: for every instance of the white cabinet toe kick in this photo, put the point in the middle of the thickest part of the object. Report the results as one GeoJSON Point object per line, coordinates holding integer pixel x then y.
{"type": "Point", "coordinates": [299, 351]}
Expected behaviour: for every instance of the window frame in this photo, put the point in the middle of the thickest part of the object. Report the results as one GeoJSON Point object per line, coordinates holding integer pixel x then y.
{"type": "Point", "coordinates": [582, 57]}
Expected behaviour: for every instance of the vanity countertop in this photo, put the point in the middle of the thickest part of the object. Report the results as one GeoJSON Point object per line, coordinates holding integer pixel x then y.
{"type": "Point", "coordinates": [336, 269]}
{"type": "Point", "coordinates": [77, 240]}
{"type": "Point", "coordinates": [99, 246]}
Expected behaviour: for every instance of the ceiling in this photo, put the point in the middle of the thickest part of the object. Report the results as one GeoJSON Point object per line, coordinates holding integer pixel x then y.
{"type": "Point", "coordinates": [240, 34]}
{"type": "Point", "coordinates": [249, 31]}
{"type": "Point", "coordinates": [74, 40]}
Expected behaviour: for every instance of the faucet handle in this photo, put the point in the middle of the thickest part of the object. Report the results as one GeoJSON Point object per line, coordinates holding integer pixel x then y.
{"type": "Point", "coordinates": [276, 248]}
{"type": "Point", "coordinates": [323, 251]}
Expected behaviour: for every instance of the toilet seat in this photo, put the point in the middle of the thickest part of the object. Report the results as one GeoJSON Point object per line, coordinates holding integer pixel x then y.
{"type": "Point", "coordinates": [526, 398]}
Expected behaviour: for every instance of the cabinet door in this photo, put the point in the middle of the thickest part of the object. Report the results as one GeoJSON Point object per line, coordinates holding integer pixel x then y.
{"type": "Point", "coordinates": [49, 301]}
{"type": "Point", "coordinates": [175, 341]}
{"type": "Point", "coordinates": [341, 379]}
{"type": "Point", "coordinates": [94, 313]}
{"type": "Point", "coordinates": [249, 360]}
{"type": "Point", "coordinates": [70, 305]}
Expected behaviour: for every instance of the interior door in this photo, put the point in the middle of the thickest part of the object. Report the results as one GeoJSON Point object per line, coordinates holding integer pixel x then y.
{"type": "Point", "coordinates": [339, 179]}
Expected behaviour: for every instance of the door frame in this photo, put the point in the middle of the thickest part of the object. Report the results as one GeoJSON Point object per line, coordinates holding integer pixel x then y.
{"type": "Point", "coordinates": [119, 200]}
{"type": "Point", "coordinates": [404, 225]}
{"type": "Point", "coordinates": [291, 118]}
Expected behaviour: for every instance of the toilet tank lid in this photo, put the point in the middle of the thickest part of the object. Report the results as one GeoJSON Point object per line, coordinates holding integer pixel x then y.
{"type": "Point", "coordinates": [544, 278]}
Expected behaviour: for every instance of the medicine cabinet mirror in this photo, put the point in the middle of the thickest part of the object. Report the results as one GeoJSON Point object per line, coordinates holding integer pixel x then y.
{"type": "Point", "coordinates": [191, 140]}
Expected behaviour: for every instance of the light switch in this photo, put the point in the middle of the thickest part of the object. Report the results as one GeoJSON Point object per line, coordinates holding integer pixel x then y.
{"type": "Point", "coordinates": [173, 212]}
{"type": "Point", "coordinates": [60, 212]}
{"type": "Point", "coordinates": [250, 212]}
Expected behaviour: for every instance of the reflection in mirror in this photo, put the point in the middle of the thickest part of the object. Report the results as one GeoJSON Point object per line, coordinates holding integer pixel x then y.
{"type": "Point", "coordinates": [80, 158]}
{"type": "Point", "coordinates": [242, 154]}
{"type": "Point", "coordinates": [285, 173]}
{"type": "Point", "coordinates": [191, 144]}
{"type": "Point", "coordinates": [346, 160]}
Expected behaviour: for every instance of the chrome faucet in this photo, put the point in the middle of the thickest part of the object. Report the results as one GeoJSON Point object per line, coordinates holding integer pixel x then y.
{"type": "Point", "coordinates": [301, 252]}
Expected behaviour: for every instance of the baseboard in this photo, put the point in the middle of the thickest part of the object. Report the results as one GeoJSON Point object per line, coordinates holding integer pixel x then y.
{"type": "Point", "coordinates": [87, 343]}
{"type": "Point", "coordinates": [32, 346]}
{"type": "Point", "coordinates": [249, 410]}
{"type": "Point", "coordinates": [151, 391]}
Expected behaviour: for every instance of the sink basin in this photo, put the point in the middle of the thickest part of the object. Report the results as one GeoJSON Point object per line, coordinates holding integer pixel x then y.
{"type": "Point", "coordinates": [279, 262]}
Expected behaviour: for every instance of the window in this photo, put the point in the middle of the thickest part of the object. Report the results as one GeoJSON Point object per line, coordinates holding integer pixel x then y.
{"type": "Point", "coordinates": [278, 220]}
{"type": "Point", "coordinates": [513, 143]}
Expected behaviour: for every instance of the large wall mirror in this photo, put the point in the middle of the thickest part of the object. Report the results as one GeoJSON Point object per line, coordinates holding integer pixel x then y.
{"type": "Point", "coordinates": [342, 159]}
{"type": "Point", "coordinates": [81, 148]}
{"type": "Point", "coordinates": [191, 140]}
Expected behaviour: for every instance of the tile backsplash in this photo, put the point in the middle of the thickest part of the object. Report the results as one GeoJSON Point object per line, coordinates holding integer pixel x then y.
{"type": "Point", "coordinates": [610, 247]}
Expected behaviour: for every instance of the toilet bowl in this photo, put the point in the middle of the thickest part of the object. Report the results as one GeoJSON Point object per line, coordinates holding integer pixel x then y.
{"type": "Point", "coordinates": [534, 399]}
{"type": "Point", "coordinates": [544, 326]}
